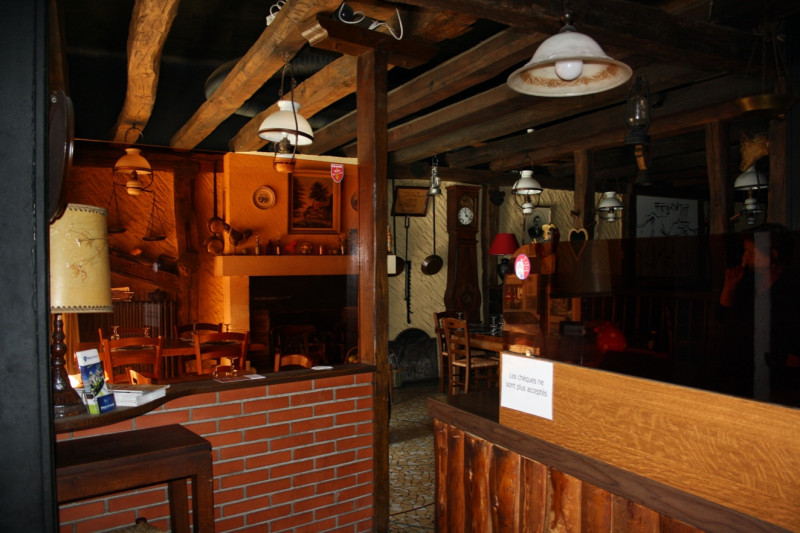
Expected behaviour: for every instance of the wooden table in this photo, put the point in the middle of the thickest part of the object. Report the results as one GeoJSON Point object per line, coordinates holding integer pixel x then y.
{"type": "Point", "coordinates": [105, 464]}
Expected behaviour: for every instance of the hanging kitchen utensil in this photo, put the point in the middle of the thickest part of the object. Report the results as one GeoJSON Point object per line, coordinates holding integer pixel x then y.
{"type": "Point", "coordinates": [408, 280]}
{"type": "Point", "coordinates": [433, 263]}
{"type": "Point", "coordinates": [215, 224]}
{"type": "Point", "coordinates": [214, 244]}
{"type": "Point", "coordinates": [399, 262]}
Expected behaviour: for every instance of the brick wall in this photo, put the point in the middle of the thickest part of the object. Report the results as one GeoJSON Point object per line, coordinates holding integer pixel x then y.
{"type": "Point", "coordinates": [287, 457]}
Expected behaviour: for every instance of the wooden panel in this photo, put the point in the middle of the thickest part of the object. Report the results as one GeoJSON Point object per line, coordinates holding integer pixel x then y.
{"type": "Point", "coordinates": [477, 454]}
{"type": "Point", "coordinates": [698, 442]}
{"type": "Point", "coordinates": [455, 506]}
{"type": "Point", "coordinates": [505, 481]}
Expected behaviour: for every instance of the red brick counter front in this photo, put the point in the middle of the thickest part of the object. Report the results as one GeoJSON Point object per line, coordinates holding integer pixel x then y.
{"type": "Point", "coordinates": [294, 456]}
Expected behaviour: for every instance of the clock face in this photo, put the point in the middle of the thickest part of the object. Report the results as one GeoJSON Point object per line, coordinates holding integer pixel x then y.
{"type": "Point", "coordinates": [465, 216]}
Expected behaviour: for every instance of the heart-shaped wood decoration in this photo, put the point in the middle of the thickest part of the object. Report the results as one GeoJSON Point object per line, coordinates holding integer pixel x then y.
{"type": "Point", "coordinates": [577, 240]}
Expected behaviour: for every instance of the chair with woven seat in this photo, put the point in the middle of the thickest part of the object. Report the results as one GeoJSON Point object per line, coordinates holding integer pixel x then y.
{"type": "Point", "coordinates": [293, 360]}
{"type": "Point", "coordinates": [465, 366]}
{"type": "Point", "coordinates": [211, 349]}
{"type": "Point", "coordinates": [142, 354]}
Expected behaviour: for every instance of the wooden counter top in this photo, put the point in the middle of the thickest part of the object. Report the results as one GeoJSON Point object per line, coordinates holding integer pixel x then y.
{"type": "Point", "coordinates": [188, 387]}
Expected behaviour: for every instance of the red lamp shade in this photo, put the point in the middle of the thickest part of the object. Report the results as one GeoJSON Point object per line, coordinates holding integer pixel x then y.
{"type": "Point", "coordinates": [504, 244]}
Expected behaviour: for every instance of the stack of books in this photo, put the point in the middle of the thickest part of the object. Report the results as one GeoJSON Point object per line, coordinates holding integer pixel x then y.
{"type": "Point", "coordinates": [126, 395]}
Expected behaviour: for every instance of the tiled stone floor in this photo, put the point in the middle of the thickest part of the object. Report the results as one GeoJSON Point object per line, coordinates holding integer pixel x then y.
{"type": "Point", "coordinates": [411, 464]}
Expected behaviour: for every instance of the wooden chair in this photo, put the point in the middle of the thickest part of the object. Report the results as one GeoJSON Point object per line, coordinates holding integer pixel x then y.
{"type": "Point", "coordinates": [464, 365]}
{"type": "Point", "coordinates": [211, 348]}
{"type": "Point", "coordinates": [205, 327]}
{"type": "Point", "coordinates": [292, 360]}
{"type": "Point", "coordinates": [441, 347]}
{"type": "Point", "coordinates": [143, 354]}
{"type": "Point", "coordinates": [138, 379]}
{"type": "Point", "coordinates": [297, 339]}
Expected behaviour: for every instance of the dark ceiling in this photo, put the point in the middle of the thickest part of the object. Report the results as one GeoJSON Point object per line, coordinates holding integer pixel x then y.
{"type": "Point", "coordinates": [474, 126]}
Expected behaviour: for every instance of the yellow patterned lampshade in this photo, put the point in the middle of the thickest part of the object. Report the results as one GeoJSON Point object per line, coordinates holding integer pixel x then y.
{"type": "Point", "coordinates": [80, 282]}
{"type": "Point", "coordinates": [80, 273]}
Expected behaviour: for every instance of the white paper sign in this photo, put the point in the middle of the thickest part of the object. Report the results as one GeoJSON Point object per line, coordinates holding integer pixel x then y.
{"type": "Point", "coordinates": [527, 385]}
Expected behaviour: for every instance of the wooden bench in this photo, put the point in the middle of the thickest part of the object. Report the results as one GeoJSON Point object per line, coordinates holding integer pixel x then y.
{"type": "Point", "coordinates": [171, 454]}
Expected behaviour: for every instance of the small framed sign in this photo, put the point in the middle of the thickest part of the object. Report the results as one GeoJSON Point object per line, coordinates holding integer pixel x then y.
{"type": "Point", "coordinates": [410, 201]}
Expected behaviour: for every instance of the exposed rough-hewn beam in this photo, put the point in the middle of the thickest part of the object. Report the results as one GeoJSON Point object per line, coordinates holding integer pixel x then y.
{"type": "Point", "coordinates": [474, 66]}
{"type": "Point", "coordinates": [150, 23]}
{"type": "Point", "coordinates": [621, 24]}
{"type": "Point", "coordinates": [338, 79]}
{"type": "Point", "coordinates": [279, 42]}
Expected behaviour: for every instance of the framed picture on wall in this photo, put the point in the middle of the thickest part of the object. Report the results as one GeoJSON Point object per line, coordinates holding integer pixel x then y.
{"type": "Point", "coordinates": [658, 216]}
{"type": "Point", "coordinates": [534, 223]}
{"type": "Point", "coordinates": [410, 201]}
{"type": "Point", "coordinates": [315, 204]}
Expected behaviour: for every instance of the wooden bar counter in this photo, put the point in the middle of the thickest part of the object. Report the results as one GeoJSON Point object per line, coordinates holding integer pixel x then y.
{"type": "Point", "coordinates": [620, 454]}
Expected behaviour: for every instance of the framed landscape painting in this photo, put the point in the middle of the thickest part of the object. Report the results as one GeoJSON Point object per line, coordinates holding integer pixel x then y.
{"type": "Point", "coordinates": [314, 205]}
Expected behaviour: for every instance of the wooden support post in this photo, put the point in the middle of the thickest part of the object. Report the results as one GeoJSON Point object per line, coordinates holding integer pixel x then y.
{"type": "Point", "coordinates": [583, 196]}
{"type": "Point", "coordinates": [778, 199]}
{"type": "Point", "coordinates": [718, 186]}
{"type": "Point", "coordinates": [373, 282]}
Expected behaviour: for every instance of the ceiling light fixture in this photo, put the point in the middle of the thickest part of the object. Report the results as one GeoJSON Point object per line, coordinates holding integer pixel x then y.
{"type": "Point", "coordinates": [132, 170]}
{"type": "Point", "coordinates": [525, 187]}
{"type": "Point", "coordinates": [609, 208]}
{"type": "Point", "coordinates": [435, 188]}
{"type": "Point", "coordinates": [286, 127]}
{"type": "Point", "coordinates": [569, 64]}
{"type": "Point", "coordinates": [751, 181]}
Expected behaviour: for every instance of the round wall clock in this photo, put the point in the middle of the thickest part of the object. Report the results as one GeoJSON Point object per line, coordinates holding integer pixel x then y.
{"type": "Point", "coordinates": [264, 197]}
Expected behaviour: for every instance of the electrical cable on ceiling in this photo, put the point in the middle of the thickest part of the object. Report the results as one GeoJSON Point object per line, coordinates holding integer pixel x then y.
{"type": "Point", "coordinates": [273, 11]}
{"type": "Point", "coordinates": [357, 17]}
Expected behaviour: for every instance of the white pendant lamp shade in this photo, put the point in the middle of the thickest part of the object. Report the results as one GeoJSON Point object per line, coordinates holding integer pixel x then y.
{"type": "Point", "coordinates": [526, 184]}
{"type": "Point", "coordinates": [288, 124]}
{"type": "Point", "coordinates": [750, 179]}
{"type": "Point", "coordinates": [609, 207]}
{"type": "Point", "coordinates": [569, 64]}
{"type": "Point", "coordinates": [132, 161]}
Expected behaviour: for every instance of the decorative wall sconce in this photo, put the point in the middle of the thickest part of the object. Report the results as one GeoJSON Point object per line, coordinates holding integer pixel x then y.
{"type": "Point", "coordinates": [637, 124]}
{"type": "Point", "coordinates": [524, 188]}
{"type": "Point", "coordinates": [569, 64]}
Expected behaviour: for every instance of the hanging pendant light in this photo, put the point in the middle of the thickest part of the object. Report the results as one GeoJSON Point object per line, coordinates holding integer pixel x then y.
{"type": "Point", "coordinates": [609, 208]}
{"type": "Point", "coordinates": [436, 187]}
{"type": "Point", "coordinates": [155, 226]}
{"type": "Point", "coordinates": [569, 64]}
{"type": "Point", "coordinates": [525, 187]}
{"type": "Point", "coordinates": [286, 128]}
{"type": "Point", "coordinates": [132, 170]}
{"type": "Point", "coordinates": [751, 181]}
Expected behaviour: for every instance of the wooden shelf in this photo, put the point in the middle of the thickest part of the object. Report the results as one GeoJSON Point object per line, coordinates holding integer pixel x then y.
{"type": "Point", "coordinates": [285, 265]}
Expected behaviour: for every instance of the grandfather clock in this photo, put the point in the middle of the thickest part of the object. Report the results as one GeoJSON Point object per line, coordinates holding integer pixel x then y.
{"type": "Point", "coordinates": [462, 292]}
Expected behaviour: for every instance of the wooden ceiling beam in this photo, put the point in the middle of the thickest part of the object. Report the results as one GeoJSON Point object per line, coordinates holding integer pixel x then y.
{"type": "Point", "coordinates": [622, 24]}
{"type": "Point", "coordinates": [279, 42]}
{"type": "Point", "coordinates": [480, 63]}
{"type": "Point", "coordinates": [151, 21]}
{"type": "Point", "coordinates": [336, 81]}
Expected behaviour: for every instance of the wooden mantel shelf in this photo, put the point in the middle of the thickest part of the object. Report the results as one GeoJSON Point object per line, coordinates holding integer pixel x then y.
{"type": "Point", "coordinates": [285, 265]}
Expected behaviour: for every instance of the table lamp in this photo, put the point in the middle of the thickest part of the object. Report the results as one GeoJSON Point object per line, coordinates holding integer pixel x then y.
{"type": "Point", "coordinates": [80, 282]}
{"type": "Point", "coordinates": [503, 244]}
